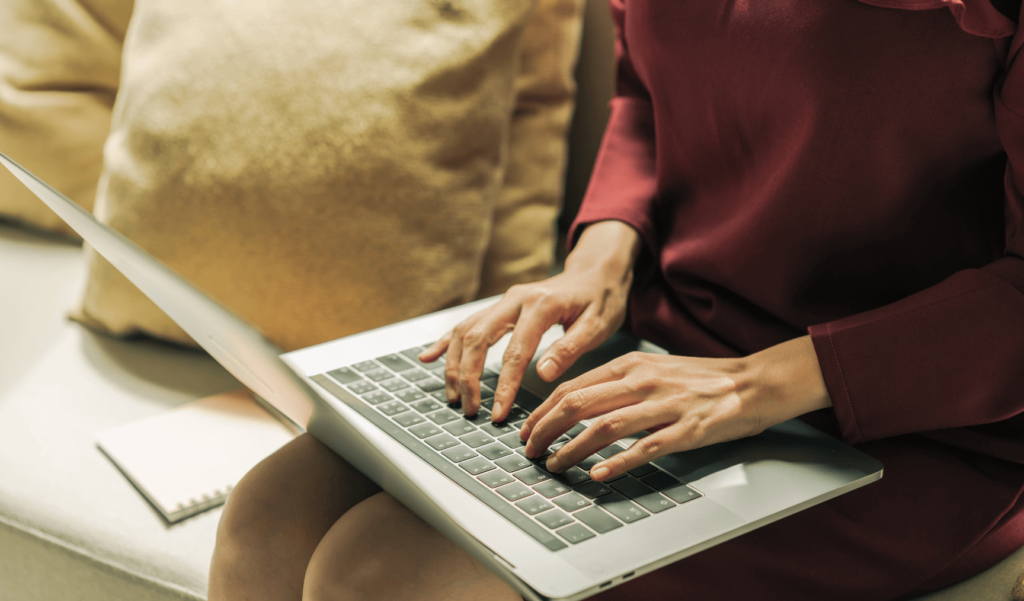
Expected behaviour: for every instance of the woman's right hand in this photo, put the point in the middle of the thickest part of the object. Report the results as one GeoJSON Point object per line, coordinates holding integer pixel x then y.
{"type": "Point", "coordinates": [588, 299]}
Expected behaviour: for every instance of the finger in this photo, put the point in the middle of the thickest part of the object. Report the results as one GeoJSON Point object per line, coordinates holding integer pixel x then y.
{"type": "Point", "coordinates": [608, 429]}
{"type": "Point", "coordinates": [453, 363]}
{"type": "Point", "coordinates": [435, 350]}
{"type": "Point", "coordinates": [585, 334]}
{"type": "Point", "coordinates": [475, 343]}
{"type": "Point", "coordinates": [581, 404]}
{"type": "Point", "coordinates": [526, 337]}
{"type": "Point", "coordinates": [609, 372]}
{"type": "Point", "coordinates": [641, 452]}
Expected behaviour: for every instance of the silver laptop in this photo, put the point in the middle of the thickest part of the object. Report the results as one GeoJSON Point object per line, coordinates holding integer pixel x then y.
{"type": "Point", "coordinates": [549, 536]}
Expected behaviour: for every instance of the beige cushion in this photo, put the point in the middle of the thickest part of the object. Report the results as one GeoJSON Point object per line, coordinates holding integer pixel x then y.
{"type": "Point", "coordinates": [329, 166]}
{"type": "Point", "coordinates": [522, 240]}
{"type": "Point", "coordinates": [59, 66]}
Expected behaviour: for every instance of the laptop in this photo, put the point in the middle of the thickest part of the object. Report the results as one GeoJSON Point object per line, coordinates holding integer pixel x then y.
{"type": "Point", "coordinates": [369, 399]}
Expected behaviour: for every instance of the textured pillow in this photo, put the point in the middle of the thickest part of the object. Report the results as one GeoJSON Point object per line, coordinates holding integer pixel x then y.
{"type": "Point", "coordinates": [59, 67]}
{"type": "Point", "coordinates": [329, 166]}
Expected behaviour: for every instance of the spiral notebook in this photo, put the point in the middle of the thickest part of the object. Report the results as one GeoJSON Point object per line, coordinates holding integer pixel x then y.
{"type": "Point", "coordinates": [189, 459]}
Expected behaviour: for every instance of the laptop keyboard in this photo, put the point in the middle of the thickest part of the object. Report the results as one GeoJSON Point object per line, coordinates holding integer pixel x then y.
{"type": "Point", "coordinates": [406, 399]}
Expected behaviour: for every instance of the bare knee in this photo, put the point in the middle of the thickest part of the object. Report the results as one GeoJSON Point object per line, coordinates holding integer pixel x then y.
{"type": "Point", "coordinates": [303, 484]}
{"type": "Point", "coordinates": [379, 550]}
{"type": "Point", "coordinates": [276, 516]}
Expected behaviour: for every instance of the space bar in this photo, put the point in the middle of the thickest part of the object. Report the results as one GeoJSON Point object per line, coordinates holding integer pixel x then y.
{"type": "Point", "coordinates": [452, 471]}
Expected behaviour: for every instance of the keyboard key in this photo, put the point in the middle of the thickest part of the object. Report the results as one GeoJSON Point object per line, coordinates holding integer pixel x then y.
{"type": "Point", "coordinates": [497, 430]}
{"type": "Point", "coordinates": [415, 375]}
{"type": "Point", "coordinates": [409, 419]}
{"type": "Point", "coordinates": [376, 397]}
{"type": "Point", "coordinates": [575, 533]}
{"type": "Point", "coordinates": [555, 518]}
{"type": "Point", "coordinates": [477, 465]}
{"type": "Point", "coordinates": [572, 502]}
{"type": "Point", "coordinates": [621, 507]}
{"type": "Point", "coordinates": [488, 373]}
{"type": "Point", "coordinates": [516, 414]}
{"type": "Point", "coordinates": [527, 400]}
{"type": "Point", "coordinates": [439, 395]}
{"type": "Point", "coordinates": [459, 427]}
{"type": "Point", "coordinates": [682, 494]}
{"type": "Point", "coordinates": [512, 441]}
{"type": "Point", "coordinates": [631, 487]}
{"type": "Point", "coordinates": [366, 366]}
{"type": "Point", "coordinates": [476, 439]}
{"type": "Point", "coordinates": [426, 405]}
{"type": "Point", "coordinates": [494, 451]}
{"type": "Point", "coordinates": [592, 490]}
{"type": "Point", "coordinates": [361, 387]}
{"type": "Point", "coordinates": [644, 470]}
{"type": "Point", "coordinates": [490, 381]}
{"type": "Point", "coordinates": [660, 481]}
{"type": "Point", "coordinates": [424, 430]}
{"type": "Point", "coordinates": [539, 460]}
{"type": "Point", "coordinates": [496, 478]}
{"type": "Point", "coordinates": [459, 453]}
{"type": "Point", "coordinates": [534, 505]}
{"type": "Point", "coordinates": [573, 476]}
{"type": "Point", "coordinates": [552, 488]}
{"type": "Point", "coordinates": [588, 463]}
{"type": "Point", "coordinates": [610, 451]}
{"type": "Point", "coordinates": [345, 375]}
{"type": "Point", "coordinates": [600, 521]}
{"type": "Point", "coordinates": [482, 417]}
{"type": "Point", "coordinates": [443, 417]}
{"type": "Point", "coordinates": [393, 385]}
{"type": "Point", "coordinates": [576, 430]}
{"type": "Point", "coordinates": [414, 352]}
{"type": "Point", "coordinates": [377, 375]}
{"type": "Point", "coordinates": [442, 442]}
{"type": "Point", "coordinates": [392, 408]}
{"type": "Point", "coordinates": [431, 384]}
{"type": "Point", "coordinates": [514, 491]}
{"type": "Point", "coordinates": [513, 463]}
{"type": "Point", "coordinates": [409, 395]}
{"type": "Point", "coordinates": [532, 475]}
{"type": "Point", "coordinates": [438, 370]}
{"type": "Point", "coordinates": [654, 502]}
{"type": "Point", "coordinates": [486, 394]}
{"type": "Point", "coordinates": [395, 362]}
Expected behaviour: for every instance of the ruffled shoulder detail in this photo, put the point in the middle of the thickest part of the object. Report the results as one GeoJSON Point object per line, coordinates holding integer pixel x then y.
{"type": "Point", "coordinates": [976, 17]}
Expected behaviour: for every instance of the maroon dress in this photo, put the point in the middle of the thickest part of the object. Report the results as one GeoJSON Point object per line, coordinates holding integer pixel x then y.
{"type": "Point", "coordinates": [853, 170]}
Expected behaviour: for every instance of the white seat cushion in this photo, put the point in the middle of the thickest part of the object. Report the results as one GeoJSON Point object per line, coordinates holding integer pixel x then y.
{"type": "Point", "coordinates": [71, 526]}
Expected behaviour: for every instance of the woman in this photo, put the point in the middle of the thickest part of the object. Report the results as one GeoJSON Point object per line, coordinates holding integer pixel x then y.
{"type": "Point", "coordinates": [817, 206]}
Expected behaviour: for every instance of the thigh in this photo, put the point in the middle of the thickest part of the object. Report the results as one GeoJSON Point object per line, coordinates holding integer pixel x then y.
{"type": "Point", "coordinates": [380, 550]}
{"type": "Point", "coordinates": [896, 538]}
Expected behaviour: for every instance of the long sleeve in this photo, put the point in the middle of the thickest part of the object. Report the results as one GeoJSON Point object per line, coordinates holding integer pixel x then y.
{"type": "Point", "coordinates": [623, 186]}
{"type": "Point", "coordinates": [951, 356]}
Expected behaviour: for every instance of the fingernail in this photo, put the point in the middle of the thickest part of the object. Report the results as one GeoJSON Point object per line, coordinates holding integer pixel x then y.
{"type": "Point", "coordinates": [524, 434]}
{"type": "Point", "coordinates": [530, 451]}
{"type": "Point", "coordinates": [553, 464]}
{"type": "Point", "coordinates": [547, 369]}
{"type": "Point", "coordinates": [495, 412]}
{"type": "Point", "coordinates": [449, 392]}
{"type": "Point", "coordinates": [599, 473]}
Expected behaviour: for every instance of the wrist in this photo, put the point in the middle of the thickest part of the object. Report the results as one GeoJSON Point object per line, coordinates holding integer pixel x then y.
{"type": "Point", "coordinates": [608, 248]}
{"type": "Point", "coordinates": [788, 382]}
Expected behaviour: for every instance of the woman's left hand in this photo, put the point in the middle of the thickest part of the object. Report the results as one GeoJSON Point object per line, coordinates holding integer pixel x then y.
{"type": "Point", "coordinates": [685, 403]}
